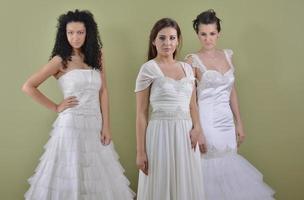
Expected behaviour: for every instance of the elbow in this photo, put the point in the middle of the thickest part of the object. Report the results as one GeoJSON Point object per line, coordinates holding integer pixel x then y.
{"type": "Point", "coordinates": [26, 88]}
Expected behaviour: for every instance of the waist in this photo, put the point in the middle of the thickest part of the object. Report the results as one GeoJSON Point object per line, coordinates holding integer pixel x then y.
{"type": "Point", "coordinates": [82, 111]}
{"type": "Point", "coordinates": [170, 115]}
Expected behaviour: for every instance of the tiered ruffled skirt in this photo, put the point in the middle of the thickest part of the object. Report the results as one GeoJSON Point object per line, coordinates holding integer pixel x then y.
{"type": "Point", "coordinates": [76, 166]}
{"type": "Point", "coordinates": [228, 176]}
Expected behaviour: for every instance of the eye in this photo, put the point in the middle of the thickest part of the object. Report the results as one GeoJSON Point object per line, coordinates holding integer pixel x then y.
{"type": "Point", "coordinates": [80, 32]}
{"type": "Point", "coordinates": [162, 38]}
{"type": "Point", "coordinates": [172, 37]}
{"type": "Point", "coordinates": [212, 33]}
{"type": "Point", "coordinates": [203, 34]}
{"type": "Point", "coordinates": [69, 32]}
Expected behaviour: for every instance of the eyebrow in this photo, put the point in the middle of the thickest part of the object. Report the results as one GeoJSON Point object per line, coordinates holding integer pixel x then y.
{"type": "Point", "coordinates": [169, 35]}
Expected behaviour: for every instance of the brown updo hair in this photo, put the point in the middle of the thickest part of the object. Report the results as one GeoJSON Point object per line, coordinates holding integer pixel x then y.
{"type": "Point", "coordinates": [207, 17]}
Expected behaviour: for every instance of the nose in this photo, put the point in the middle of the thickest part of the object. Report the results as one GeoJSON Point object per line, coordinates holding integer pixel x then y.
{"type": "Point", "coordinates": [75, 37]}
{"type": "Point", "coordinates": [167, 42]}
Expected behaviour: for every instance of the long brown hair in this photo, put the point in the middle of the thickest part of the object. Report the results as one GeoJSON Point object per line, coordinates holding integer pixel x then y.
{"type": "Point", "coordinates": [159, 25]}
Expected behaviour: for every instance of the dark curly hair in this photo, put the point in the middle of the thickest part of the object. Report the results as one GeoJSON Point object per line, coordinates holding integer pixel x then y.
{"type": "Point", "coordinates": [91, 48]}
{"type": "Point", "coordinates": [159, 25]}
{"type": "Point", "coordinates": [207, 17]}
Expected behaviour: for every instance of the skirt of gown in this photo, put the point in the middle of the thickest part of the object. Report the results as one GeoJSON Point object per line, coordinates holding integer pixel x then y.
{"type": "Point", "coordinates": [173, 167]}
{"type": "Point", "coordinates": [229, 176]}
{"type": "Point", "coordinates": [76, 166]}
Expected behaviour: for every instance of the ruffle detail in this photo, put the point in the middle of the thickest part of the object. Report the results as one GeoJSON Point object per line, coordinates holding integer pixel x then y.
{"type": "Point", "coordinates": [77, 166]}
{"type": "Point", "coordinates": [230, 176]}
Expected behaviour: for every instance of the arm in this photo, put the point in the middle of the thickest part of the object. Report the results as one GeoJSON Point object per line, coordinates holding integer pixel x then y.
{"type": "Point", "coordinates": [196, 134]}
{"type": "Point", "coordinates": [30, 87]}
{"type": "Point", "coordinates": [142, 110]}
{"type": "Point", "coordinates": [104, 107]}
{"type": "Point", "coordinates": [237, 116]}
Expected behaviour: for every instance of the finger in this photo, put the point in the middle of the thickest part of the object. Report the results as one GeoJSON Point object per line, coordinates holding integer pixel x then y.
{"type": "Point", "coordinates": [144, 171]}
{"type": "Point", "coordinates": [107, 140]}
{"type": "Point", "coordinates": [102, 139]}
{"type": "Point", "coordinates": [72, 101]}
{"type": "Point", "coordinates": [146, 168]}
{"type": "Point", "coordinates": [201, 148]}
{"type": "Point", "coordinates": [71, 97]}
{"type": "Point", "coordinates": [73, 104]}
{"type": "Point", "coordinates": [204, 148]}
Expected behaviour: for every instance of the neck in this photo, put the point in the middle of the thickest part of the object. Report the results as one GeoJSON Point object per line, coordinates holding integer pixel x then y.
{"type": "Point", "coordinates": [164, 59]}
{"type": "Point", "coordinates": [209, 51]}
{"type": "Point", "coordinates": [77, 52]}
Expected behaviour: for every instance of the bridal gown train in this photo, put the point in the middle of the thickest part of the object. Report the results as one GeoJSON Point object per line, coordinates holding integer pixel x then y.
{"type": "Point", "coordinates": [227, 175]}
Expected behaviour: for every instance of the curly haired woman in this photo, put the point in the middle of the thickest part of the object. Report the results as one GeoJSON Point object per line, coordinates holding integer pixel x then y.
{"type": "Point", "coordinates": [79, 162]}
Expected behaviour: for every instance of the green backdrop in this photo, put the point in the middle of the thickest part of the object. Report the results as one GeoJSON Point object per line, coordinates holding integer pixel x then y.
{"type": "Point", "coordinates": [267, 39]}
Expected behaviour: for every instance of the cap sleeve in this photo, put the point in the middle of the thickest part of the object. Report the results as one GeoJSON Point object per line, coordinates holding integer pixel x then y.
{"type": "Point", "coordinates": [145, 77]}
{"type": "Point", "coordinates": [229, 54]}
{"type": "Point", "coordinates": [190, 58]}
{"type": "Point", "coordinates": [188, 70]}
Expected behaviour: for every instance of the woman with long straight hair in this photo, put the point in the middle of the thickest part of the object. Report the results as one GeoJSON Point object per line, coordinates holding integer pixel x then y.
{"type": "Point", "coordinates": [167, 153]}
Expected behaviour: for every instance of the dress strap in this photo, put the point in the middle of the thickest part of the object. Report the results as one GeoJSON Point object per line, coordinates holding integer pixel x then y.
{"type": "Point", "coordinates": [228, 53]}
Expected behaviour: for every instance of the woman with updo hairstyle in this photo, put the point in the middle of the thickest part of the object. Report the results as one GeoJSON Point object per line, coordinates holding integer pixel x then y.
{"type": "Point", "coordinates": [168, 139]}
{"type": "Point", "coordinates": [227, 175]}
{"type": "Point", "coordinates": [79, 162]}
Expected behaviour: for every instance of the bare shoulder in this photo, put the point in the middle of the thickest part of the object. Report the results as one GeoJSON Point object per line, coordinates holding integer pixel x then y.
{"type": "Point", "coordinates": [55, 62]}
{"type": "Point", "coordinates": [54, 67]}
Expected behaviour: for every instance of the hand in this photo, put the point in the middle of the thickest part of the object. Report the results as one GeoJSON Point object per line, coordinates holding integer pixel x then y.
{"type": "Point", "coordinates": [68, 102]}
{"type": "Point", "coordinates": [194, 137]}
{"type": "Point", "coordinates": [142, 162]}
{"type": "Point", "coordinates": [202, 143]}
{"type": "Point", "coordinates": [105, 137]}
{"type": "Point", "coordinates": [240, 135]}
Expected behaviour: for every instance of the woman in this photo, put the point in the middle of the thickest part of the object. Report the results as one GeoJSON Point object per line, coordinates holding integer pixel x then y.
{"type": "Point", "coordinates": [227, 175]}
{"type": "Point", "coordinates": [79, 161]}
{"type": "Point", "coordinates": [167, 156]}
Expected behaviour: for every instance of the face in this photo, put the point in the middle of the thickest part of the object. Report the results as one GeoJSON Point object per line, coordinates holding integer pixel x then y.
{"type": "Point", "coordinates": [76, 34]}
{"type": "Point", "coordinates": [166, 41]}
{"type": "Point", "coordinates": [208, 35]}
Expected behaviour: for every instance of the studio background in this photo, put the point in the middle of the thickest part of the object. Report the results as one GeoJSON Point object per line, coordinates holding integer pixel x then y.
{"type": "Point", "coordinates": [265, 35]}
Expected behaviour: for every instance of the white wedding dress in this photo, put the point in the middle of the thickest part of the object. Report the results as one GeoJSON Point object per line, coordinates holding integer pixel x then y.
{"type": "Point", "coordinates": [173, 167]}
{"type": "Point", "coordinates": [227, 175]}
{"type": "Point", "coordinates": [75, 164]}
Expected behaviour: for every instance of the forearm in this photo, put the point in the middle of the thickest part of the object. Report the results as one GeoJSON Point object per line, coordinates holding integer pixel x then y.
{"type": "Point", "coordinates": [235, 106]}
{"type": "Point", "coordinates": [194, 112]}
{"type": "Point", "coordinates": [104, 108]}
{"type": "Point", "coordinates": [195, 117]}
{"type": "Point", "coordinates": [141, 126]}
{"type": "Point", "coordinates": [39, 97]}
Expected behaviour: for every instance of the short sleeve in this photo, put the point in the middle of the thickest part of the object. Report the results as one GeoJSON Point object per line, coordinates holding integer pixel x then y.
{"type": "Point", "coordinates": [188, 70]}
{"type": "Point", "coordinates": [193, 61]}
{"type": "Point", "coordinates": [229, 53]}
{"type": "Point", "coordinates": [145, 77]}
